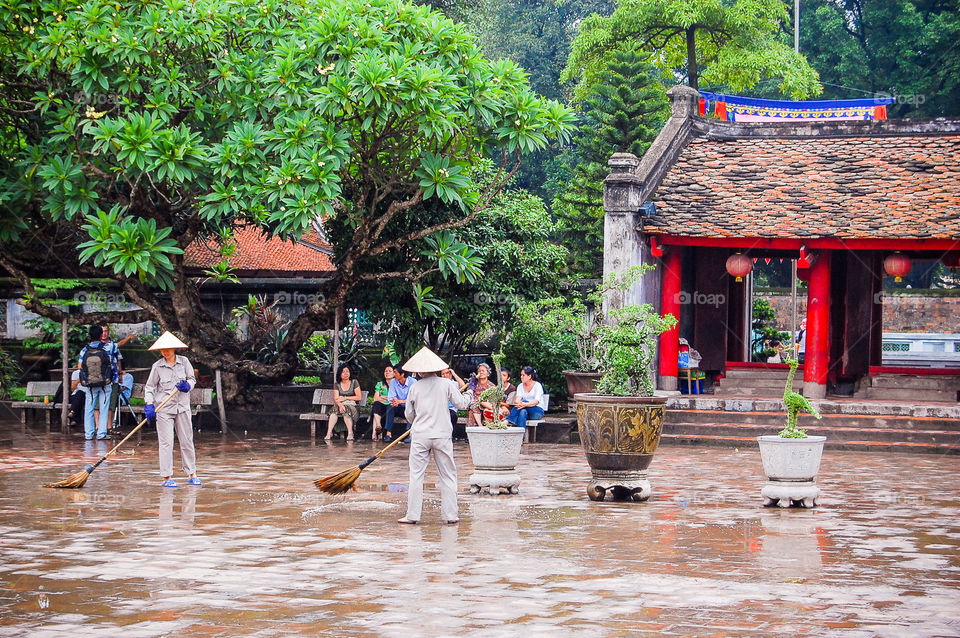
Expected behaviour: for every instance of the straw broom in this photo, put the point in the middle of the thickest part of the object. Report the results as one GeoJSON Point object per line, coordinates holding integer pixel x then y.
{"type": "Point", "coordinates": [340, 483]}
{"type": "Point", "coordinates": [77, 480]}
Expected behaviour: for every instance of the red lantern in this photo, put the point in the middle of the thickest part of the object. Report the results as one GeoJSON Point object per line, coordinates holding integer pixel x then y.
{"type": "Point", "coordinates": [897, 265]}
{"type": "Point", "coordinates": [739, 266]}
{"type": "Point", "coordinates": [951, 260]}
{"type": "Point", "coordinates": [803, 274]}
{"type": "Point", "coordinates": [806, 259]}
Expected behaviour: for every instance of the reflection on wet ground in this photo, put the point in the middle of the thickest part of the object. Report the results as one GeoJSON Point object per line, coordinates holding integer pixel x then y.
{"type": "Point", "coordinates": [258, 550]}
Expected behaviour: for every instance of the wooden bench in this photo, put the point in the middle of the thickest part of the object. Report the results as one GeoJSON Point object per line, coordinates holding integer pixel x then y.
{"type": "Point", "coordinates": [531, 431]}
{"type": "Point", "coordinates": [38, 389]}
{"type": "Point", "coordinates": [323, 399]}
{"type": "Point", "coordinates": [201, 400]}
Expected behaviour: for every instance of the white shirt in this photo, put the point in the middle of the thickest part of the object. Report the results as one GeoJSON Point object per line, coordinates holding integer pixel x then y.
{"type": "Point", "coordinates": [535, 395]}
{"type": "Point", "coordinates": [428, 408]}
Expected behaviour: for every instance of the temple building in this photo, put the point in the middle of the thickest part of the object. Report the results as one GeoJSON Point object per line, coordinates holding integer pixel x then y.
{"type": "Point", "coordinates": [851, 201]}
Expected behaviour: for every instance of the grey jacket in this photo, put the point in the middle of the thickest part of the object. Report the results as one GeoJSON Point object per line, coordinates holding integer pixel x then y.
{"type": "Point", "coordinates": [163, 380]}
{"type": "Point", "coordinates": [428, 409]}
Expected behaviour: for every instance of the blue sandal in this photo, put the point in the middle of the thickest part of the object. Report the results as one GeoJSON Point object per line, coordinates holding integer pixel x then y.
{"type": "Point", "coordinates": [195, 481]}
{"type": "Point", "coordinates": [169, 483]}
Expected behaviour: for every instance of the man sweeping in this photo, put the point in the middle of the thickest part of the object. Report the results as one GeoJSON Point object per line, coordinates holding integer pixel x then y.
{"type": "Point", "coordinates": [172, 372]}
{"type": "Point", "coordinates": [428, 413]}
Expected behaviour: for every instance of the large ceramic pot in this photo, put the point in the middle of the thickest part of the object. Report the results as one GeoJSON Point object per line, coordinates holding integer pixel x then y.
{"type": "Point", "coordinates": [619, 436]}
{"type": "Point", "coordinates": [495, 456]}
{"type": "Point", "coordinates": [791, 466]}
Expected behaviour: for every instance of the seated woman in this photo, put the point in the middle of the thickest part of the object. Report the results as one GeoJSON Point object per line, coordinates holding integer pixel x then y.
{"type": "Point", "coordinates": [481, 383]}
{"type": "Point", "coordinates": [508, 393]}
{"type": "Point", "coordinates": [380, 402]}
{"type": "Point", "coordinates": [528, 403]}
{"type": "Point", "coordinates": [346, 396]}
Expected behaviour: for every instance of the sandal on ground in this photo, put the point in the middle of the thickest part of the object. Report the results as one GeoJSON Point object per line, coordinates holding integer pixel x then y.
{"type": "Point", "coordinates": [349, 438]}
{"type": "Point", "coordinates": [169, 483]}
{"type": "Point", "coordinates": [406, 521]}
{"type": "Point", "coordinates": [327, 438]}
{"type": "Point", "coordinates": [195, 480]}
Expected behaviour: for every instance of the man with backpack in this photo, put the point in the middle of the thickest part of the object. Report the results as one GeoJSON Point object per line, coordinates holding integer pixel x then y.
{"type": "Point", "coordinates": [98, 372]}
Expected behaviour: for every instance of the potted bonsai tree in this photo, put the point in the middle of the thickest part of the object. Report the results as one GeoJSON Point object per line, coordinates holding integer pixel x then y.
{"type": "Point", "coordinates": [495, 446]}
{"type": "Point", "coordinates": [620, 423]}
{"type": "Point", "coordinates": [791, 459]}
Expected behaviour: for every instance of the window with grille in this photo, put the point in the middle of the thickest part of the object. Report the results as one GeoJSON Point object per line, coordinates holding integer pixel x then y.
{"type": "Point", "coordinates": [896, 347]}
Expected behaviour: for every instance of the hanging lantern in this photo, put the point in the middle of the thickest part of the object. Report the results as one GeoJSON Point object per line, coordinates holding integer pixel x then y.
{"type": "Point", "coordinates": [803, 274]}
{"type": "Point", "coordinates": [897, 265]}
{"type": "Point", "coordinates": [951, 260]}
{"type": "Point", "coordinates": [739, 266]}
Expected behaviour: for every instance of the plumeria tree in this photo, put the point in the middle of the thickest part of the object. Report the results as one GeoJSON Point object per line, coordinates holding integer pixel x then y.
{"type": "Point", "coordinates": [131, 128]}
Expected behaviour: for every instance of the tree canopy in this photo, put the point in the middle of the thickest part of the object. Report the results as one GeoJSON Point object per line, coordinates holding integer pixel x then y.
{"type": "Point", "coordinates": [132, 128]}
{"type": "Point", "coordinates": [905, 48]}
{"type": "Point", "coordinates": [623, 114]}
{"type": "Point", "coordinates": [732, 44]}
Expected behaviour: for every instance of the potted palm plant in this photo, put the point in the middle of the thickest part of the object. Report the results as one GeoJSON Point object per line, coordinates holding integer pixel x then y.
{"type": "Point", "coordinates": [791, 458]}
{"type": "Point", "coordinates": [495, 446]}
{"type": "Point", "coordinates": [620, 423]}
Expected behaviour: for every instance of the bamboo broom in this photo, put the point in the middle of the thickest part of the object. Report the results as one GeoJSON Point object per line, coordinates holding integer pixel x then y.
{"type": "Point", "coordinates": [343, 481]}
{"type": "Point", "coordinates": [77, 479]}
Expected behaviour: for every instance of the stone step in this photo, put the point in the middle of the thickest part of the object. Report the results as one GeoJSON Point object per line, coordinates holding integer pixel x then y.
{"type": "Point", "coordinates": [747, 391]}
{"type": "Point", "coordinates": [909, 382]}
{"type": "Point", "coordinates": [759, 373]}
{"type": "Point", "coordinates": [777, 419]}
{"type": "Point", "coordinates": [861, 446]}
{"type": "Point", "coordinates": [832, 432]}
{"type": "Point", "coordinates": [907, 394]}
{"type": "Point", "coordinates": [830, 405]}
{"type": "Point", "coordinates": [758, 383]}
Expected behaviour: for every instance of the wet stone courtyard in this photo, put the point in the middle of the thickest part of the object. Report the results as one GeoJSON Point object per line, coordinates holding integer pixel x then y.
{"type": "Point", "coordinates": [259, 551]}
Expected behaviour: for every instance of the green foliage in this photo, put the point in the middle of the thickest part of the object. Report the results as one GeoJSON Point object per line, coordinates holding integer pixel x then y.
{"type": "Point", "coordinates": [736, 44]}
{"type": "Point", "coordinates": [795, 403]}
{"type": "Point", "coordinates": [132, 128]}
{"type": "Point", "coordinates": [540, 342]}
{"type": "Point", "coordinates": [628, 345]}
{"type": "Point", "coordinates": [313, 353]}
{"type": "Point", "coordinates": [511, 239]}
{"type": "Point", "coordinates": [905, 48]}
{"type": "Point", "coordinates": [308, 380]}
{"type": "Point", "coordinates": [9, 375]}
{"type": "Point", "coordinates": [264, 326]}
{"type": "Point", "coordinates": [18, 393]}
{"type": "Point", "coordinates": [624, 113]}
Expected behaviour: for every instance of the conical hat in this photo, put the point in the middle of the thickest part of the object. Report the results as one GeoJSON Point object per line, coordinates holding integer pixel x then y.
{"type": "Point", "coordinates": [167, 340]}
{"type": "Point", "coordinates": [425, 361]}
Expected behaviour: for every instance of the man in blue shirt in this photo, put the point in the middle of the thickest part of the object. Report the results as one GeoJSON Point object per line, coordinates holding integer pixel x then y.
{"type": "Point", "coordinates": [98, 399]}
{"type": "Point", "coordinates": [397, 398]}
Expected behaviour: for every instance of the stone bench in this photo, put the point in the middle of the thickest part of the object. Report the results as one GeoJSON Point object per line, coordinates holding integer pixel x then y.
{"type": "Point", "coordinates": [38, 390]}
{"type": "Point", "coordinates": [323, 399]}
{"type": "Point", "coordinates": [531, 431]}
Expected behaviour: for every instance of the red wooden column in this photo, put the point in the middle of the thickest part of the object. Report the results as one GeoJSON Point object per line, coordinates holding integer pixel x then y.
{"type": "Point", "coordinates": [670, 304]}
{"type": "Point", "coordinates": [817, 359]}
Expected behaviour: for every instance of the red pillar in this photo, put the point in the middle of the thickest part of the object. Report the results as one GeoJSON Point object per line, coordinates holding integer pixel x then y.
{"type": "Point", "coordinates": [670, 304]}
{"type": "Point", "coordinates": [817, 359]}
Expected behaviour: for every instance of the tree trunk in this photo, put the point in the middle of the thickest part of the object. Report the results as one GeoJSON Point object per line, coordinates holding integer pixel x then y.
{"type": "Point", "coordinates": [692, 72]}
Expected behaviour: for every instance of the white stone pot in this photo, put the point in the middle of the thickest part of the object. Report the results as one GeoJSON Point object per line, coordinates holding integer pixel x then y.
{"type": "Point", "coordinates": [791, 465]}
{"type": "Point", "coordinates": [495, 456]}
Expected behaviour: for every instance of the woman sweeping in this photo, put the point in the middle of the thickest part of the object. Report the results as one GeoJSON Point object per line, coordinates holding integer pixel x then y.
{"type": "Point", "coordinates": [172, 372]}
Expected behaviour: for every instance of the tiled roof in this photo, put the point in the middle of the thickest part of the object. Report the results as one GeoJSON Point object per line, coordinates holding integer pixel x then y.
{"type": "Point", "coordinates": [841, 187]}
{"type": "Point", "coordinates": [256, 253]}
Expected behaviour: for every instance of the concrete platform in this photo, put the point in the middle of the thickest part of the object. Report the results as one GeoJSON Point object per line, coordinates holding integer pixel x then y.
{"type": "Point", "coordinates": [259, 551]}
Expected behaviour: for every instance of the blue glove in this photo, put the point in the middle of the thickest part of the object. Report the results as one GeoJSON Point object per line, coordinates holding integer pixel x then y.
{"type": "Point", "coordinates": [150, 412]}
{"type": "Point", "coordinates": [184, 386]}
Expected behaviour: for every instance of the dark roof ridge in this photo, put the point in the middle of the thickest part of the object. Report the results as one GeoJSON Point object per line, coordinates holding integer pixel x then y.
{"type": "Point", "coordinates": [822, 129]}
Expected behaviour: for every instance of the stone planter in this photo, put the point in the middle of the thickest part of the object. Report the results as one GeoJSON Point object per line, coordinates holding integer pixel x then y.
{"type": "Point", "coordinates": [495, 456]}
{"type": "Point", "coordinates": [791, 466]}
{"type": "Point", "coordinates": [578, 383]}
{"type": "Point", "coordinates": [619, 436]}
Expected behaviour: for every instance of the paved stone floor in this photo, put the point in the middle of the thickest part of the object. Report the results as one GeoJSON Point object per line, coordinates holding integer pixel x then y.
{"type": "Point", "coordinates": [259, 551]}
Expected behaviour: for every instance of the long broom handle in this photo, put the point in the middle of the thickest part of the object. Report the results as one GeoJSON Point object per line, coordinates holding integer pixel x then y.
{"type": "Point", "coordinates": [141, 424]}
{"type": "Point", "coordinates": [383, 451]}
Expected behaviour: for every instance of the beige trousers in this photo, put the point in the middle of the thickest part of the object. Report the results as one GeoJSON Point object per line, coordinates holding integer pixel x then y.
{"type": "Point", "coordinates": [419, 459]}
{"type": "Point", "coordinates": [166, 423]}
